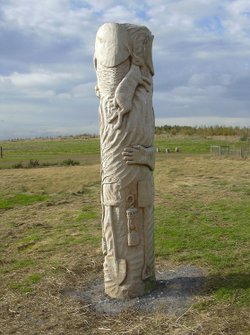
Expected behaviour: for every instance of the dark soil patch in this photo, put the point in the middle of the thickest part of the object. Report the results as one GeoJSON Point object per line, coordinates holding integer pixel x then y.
{"type": "Point", "coordinates": [173, 294]}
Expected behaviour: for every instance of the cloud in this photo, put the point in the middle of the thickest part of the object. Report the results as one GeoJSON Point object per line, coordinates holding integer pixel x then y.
{"type": "Point", "coordinates": [237, 20]}
{"type": "Point", "coordinates": [201, 57]}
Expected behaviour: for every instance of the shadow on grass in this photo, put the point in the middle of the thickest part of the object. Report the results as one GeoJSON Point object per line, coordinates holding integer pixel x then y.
{"type": "Point", "coordinates": [231, 281]}
{"type": "Point", "coordinates": [206, 285]}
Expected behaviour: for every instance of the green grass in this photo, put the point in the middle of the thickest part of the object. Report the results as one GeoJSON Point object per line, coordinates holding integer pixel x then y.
{"type": "Point", "coordinates": [27, 284]}
{"type": "Point", "coordinates": [215, 235]}
{"type": "Point", "coordinates": [86, 151]}
{"type": "Point", "coordinates": [24, 148]}
{"type": "Point", "coordinates": [87, 213]}
{"type": "Point", "coordinates": [16, 264]}
{"type": "Point", "coordinates": [49, 152]}
{"type": "Point", "coordinates": [22, 199]}
{"type": "Point", "coordinates": [195, 227]}
{"type": "Point", "coordinates": [189, 145]}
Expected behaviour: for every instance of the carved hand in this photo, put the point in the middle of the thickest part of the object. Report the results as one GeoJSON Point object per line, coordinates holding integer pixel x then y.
{"type": "Point", "coordinates": [140, 155]}
{"type": "Point", "coordinates": [120, 110]}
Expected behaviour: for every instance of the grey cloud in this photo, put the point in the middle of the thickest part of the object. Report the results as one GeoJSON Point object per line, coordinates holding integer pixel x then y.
{"type": "Point", "coordinates": [239, 89]}
{"type": "Point", "coordinates": [47, 77]}
{"type": "Point", "coordinates": [31, 48]}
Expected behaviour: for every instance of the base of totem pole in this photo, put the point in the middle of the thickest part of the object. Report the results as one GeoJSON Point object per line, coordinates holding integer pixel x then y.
{"type": "Point", "coordinates": [130, 291]}
{"type": "Point", "coordinates": [173, 293]}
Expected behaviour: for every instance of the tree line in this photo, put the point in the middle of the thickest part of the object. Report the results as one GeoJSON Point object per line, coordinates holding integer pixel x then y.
{"type": "Point", "coordinates": [243, 132]}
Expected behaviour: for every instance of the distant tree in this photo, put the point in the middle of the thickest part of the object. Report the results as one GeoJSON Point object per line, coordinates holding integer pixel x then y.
{"type": "Point", "coordinates": [204, 131]}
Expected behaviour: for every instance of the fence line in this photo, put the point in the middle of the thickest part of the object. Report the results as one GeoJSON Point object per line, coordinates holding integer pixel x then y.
{"type": "Point", "coordinates": [227, 150]}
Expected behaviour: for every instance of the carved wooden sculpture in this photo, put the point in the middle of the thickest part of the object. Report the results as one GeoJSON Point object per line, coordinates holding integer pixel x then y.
{"type": "Point", "coordinates": [123, 63]}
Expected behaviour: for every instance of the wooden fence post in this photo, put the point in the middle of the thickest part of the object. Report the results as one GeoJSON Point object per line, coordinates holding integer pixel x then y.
{"type": "Point", "coordinates": [241, 152]}
{"type": "Point", "coordinates": [1, 152]}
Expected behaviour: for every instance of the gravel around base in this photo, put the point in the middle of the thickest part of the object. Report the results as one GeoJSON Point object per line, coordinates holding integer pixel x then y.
{"type": "Point", "coordinates": [173, 294]}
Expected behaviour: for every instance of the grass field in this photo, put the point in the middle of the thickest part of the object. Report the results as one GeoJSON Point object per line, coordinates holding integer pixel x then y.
{"type": "Point", "coordinates": [49, 151]}
{"type": "Point", "coordinates": [50, 237]}
{"type": "Point", "coordinates": [86, 150]}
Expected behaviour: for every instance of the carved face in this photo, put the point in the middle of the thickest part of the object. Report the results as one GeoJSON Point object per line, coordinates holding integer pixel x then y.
{"type": "Point", "coordinates": [142, 48]}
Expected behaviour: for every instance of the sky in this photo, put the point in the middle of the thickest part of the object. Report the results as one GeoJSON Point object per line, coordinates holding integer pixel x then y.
{"type": "Point", "coordinates": [201, 56]}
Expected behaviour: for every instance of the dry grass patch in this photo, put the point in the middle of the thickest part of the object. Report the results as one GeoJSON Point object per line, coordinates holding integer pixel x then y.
{"type": "Point", "coordinates": [48, 180]}
{"type": "Point", "coordinates": [202, 218]}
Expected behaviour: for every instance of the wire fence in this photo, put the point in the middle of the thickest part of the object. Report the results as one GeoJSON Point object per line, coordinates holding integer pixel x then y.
{"type": "Point", "coordinates": [230, 150]}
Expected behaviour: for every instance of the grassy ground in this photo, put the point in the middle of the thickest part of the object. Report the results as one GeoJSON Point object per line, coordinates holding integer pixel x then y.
{"type": "Point", "coordinates": [52, 151]}
{"type": "Point", "coordinates": [86, 150]}
{"type": "Point", "coordinates": [50, 239]}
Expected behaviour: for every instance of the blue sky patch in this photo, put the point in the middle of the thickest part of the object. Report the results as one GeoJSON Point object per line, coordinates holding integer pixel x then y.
{"type": "Point", "coordinates": [211, 24]}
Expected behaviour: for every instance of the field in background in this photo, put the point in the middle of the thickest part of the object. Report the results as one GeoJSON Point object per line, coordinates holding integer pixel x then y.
{"type": "Point", "coordinates": [50, 151]}
{"type": "Point", "coordinates": [50, 237]}
{"type": "Point", "coordinates": [86, 150]}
